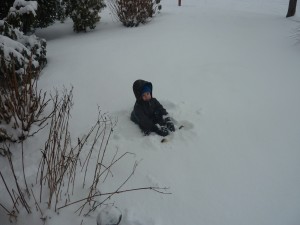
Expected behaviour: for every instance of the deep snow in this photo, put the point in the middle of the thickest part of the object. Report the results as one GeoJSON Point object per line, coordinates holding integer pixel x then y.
{"type": "Point", "coordinates": [229, 72]}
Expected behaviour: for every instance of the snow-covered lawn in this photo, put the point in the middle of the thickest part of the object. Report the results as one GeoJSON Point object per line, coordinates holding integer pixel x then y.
{"type": "Point", "coordinates": [228, 71]}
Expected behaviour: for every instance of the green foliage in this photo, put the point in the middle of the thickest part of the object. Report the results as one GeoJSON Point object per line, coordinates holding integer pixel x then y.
{"type": "Point", "coordinates": [21, 59]}
{"type": "Point", "coordinates": [85, 13]}
{"type": "Point", "coordinates": [61, 13]}
{"type": "Point", "coordinates": [22, 15]}
{"type": "Point", "coordinates": [46, 12]}
{"type": "Point", "coordinates": [132, 13]}
{"type": "Point", "coordinates": [18, 50]}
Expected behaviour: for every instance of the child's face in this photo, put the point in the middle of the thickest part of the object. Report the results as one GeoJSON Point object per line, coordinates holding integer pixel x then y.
{"type": "Point", "coordinates": [146, 96]}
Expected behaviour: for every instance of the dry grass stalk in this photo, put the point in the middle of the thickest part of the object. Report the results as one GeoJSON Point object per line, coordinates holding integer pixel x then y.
{"type": "Point", "coordinates": [58, 158]}
{"type": "Point", "coordinates": [17, 196]}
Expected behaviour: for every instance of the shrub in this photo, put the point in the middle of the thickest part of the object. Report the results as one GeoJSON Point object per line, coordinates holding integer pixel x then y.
{"type": "Point", "coordinates": [17, 50]}
{"type": "Point", "coordinates": [62, 12]}
{"type": "Point", "coordinates": [21, 14]}
{"type": "Point", "coordinates": [85, 13]}
{"type": "Point", "coordinates": [132, 13]}
{"type": "Point", "coordinates": [46, 12]}
{"type": "Point", "coordinates": [21, 106]}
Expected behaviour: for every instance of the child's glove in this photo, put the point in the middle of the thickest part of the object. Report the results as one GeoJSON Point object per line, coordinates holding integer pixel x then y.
{"type": "Point", "coordinates": [163, 131]}
{"type": "Point", "coordinates": [171, 127]}
{"type": "Point", "coordinates": [169, 124]}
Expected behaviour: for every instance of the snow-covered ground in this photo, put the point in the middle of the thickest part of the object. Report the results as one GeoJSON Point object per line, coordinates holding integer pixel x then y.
{"type": "Point", "coordinates": [228, 70]}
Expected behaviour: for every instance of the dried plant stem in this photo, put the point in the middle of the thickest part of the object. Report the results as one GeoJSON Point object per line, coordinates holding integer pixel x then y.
{"type": "Point", "coordinates": [7, 189]}
{"type": "Point", "coordinates": [23, 168]}
{"type": "Point", "coordinates": [20, 193]}
{"type": "Point", "coordinates": [59, 161]}
{"type": "Point", "coordinates": [36, 203]}
{"type": "Point", "coordinates": [156, 189]}
{"type": "Point", "coordinates": [8, 212]}
{"type": "Point", "coordinates": [110, 195]}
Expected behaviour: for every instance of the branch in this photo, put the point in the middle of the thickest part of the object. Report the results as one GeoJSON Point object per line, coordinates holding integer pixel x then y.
{"type": "Point", "coordinates": [36, 203]}
{"type": "Point", "coordinates": [8, 212]}
{"type": "Point", "coordinates": [156, 189]}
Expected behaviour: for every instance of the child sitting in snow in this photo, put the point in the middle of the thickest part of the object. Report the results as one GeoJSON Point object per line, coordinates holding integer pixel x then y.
{"type": "Point", "coordinates": [148, 113]}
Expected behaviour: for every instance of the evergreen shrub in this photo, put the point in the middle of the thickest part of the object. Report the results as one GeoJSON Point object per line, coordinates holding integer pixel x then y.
{"type": "Point", "coordinates": [46, 13]}
{"type": "Point", "coordinates": [85, 13]}
{"type": "Point", "coordinates": [22, 15]}
{"type": "Point", "coordinates": [132, 13]}
{"type": "Point", "coordinates": [18, 50]}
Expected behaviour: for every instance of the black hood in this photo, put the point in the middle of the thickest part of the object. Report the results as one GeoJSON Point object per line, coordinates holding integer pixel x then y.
{"type": "Point", "coordinates": [138, 87]}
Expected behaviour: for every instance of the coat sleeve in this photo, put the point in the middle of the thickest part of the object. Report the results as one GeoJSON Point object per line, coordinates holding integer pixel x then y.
{"type": "Point", "coordinates": [160, 108]}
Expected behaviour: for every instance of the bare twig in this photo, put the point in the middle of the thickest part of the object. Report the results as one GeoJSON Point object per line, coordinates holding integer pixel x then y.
{"type": "Point", "coordinates": [8, 212]}
{"type": "Point", "coordinates": [36, 203]}
{"type": "Point", "coordinates": [24, 176]}
{"type": "Point", "coordinates": [109, 196]}
{"type": "Point", "coordinates": [20, 193]}
{"type": "Point", "coordinates": [12, 198]}
{"type": "Point", "coordinates": [156, 189]}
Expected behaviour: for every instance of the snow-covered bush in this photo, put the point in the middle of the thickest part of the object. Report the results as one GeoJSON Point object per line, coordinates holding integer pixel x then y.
{"type": "Point", "coordinates": [132, 13]}
{"type": "Point", "coordinates": [85, 13]}
{"type": "Point", "coordinates": [21, 14]}
{"type": "Point", "coordinates": [21, 106]}
{"type": "Point", "coordinates": [17, 50]}
{"type": "Point", "coordinates": [62, 10]}
{"type": "Point", "coordinates": [21, 59]}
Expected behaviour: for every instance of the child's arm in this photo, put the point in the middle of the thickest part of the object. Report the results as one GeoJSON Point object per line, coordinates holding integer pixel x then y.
{"type": "Point", "coordinates": [165, 115]}
{"type": "Point", "coordinates": [159, 107]}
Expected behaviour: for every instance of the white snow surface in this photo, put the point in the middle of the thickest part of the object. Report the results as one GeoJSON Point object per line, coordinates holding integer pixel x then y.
{"type": "Point", "coordinates": [14, 48]}
{"type": "Point", "coordinates": [228, 70]}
